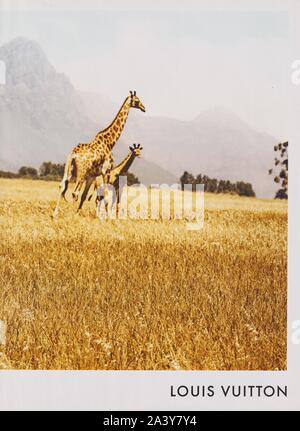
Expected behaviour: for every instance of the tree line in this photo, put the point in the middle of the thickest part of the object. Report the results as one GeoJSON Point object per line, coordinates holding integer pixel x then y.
{"type": "Point", "coordinates": [51, 172]}
{"type": "Point", "coordinates": [47, 171]}
{"type": "Point", "coordinates": [213, 185]}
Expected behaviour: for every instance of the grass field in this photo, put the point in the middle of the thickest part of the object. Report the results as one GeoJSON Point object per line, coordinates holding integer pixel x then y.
{"type": "Point", "coordinates": [80, 293]}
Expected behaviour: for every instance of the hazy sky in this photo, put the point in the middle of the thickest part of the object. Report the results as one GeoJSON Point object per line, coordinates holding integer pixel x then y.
{"type": "Point", "coordinates": [181, 62]}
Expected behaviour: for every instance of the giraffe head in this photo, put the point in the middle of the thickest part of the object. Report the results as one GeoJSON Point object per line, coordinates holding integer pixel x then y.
{"type": "Point", "coordinates": [135, 102]}
{"type": "Point", "coordinates": [136, 150]}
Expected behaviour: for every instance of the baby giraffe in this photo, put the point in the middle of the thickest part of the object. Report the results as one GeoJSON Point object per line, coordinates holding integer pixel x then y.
{"type": "Point", "coordinates": [113, 179]}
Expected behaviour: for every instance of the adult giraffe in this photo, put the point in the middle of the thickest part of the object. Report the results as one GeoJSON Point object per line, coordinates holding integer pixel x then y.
{"type": "Point", "coordinates": [87, 161]}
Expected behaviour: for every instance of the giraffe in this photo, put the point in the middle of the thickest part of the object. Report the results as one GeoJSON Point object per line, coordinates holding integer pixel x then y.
{"type": "Point", "coordinates": [89, 160]}
{"type": "Point", "coordinates": [113, 177]}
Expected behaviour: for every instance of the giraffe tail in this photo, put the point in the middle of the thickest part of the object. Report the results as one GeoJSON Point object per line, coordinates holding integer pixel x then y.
{"type": "Point", "coordinates": [68, 174]}
{"type": "Point", "coordinates": [64, 191]}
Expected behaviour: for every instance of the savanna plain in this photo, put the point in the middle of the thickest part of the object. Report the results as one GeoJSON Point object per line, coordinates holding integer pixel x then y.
{"type": "Point", "coordinates": [82, 293]}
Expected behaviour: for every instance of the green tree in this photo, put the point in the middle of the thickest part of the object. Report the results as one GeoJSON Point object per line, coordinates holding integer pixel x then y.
{"type": "Point", "coordinates": [27, 171]}
{"type": "Point", "coordinates": [132, 179]}
{"type": "Point", "coordinates": [186, 178]}
{"type": "Point", "coordinates": [45, 169]}
{"type": "Point", "coordinates": [221, 186]}
{"type": "Point", "coordinates": [281, 169]}
{"type": "Point", "coordinates": [52, 169]}
{"type": "Point", "coordinates": [244, 189]}
{"type": "Point", "coordinates": [213, 185]}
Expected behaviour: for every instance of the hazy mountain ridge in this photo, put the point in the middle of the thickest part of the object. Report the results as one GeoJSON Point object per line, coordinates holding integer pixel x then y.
{"type": "Point", "coordinates": [52, 116]}
{"type": "Point", "coordinates": [228, 149]}
{"type": "Point", "coordinates": [217, 142]}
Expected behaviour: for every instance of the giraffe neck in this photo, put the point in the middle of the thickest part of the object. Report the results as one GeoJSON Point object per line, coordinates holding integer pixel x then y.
{"type": "Point", "coordinates": [111, 134]}
{"type": "Point", "coordinates": [124, 166]}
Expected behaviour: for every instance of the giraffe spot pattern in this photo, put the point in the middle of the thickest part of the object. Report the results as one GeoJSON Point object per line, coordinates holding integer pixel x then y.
{"type": "Point", "coordinates": [91, 158]}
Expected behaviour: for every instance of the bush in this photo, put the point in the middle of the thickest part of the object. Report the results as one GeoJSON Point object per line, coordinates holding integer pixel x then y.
{"type": "Point", "coordinates": [49, 169]}
{"type": "Point", "coordinates": [132, 179]}
{"type": "Point", "coordinates": [7, 174]}
{"type": "Point", "coordinates": [27, 171]}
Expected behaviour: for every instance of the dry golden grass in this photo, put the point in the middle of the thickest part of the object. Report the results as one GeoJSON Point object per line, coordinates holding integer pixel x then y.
{"type": "Point", "coordinates": [79, 293]}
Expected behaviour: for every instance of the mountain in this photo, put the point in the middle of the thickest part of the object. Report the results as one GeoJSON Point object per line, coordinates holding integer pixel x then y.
{"type": "Point", "coordinates": [52, 116]}
{"type": "Point", "coordinates": [43, 116]}
{"type": "Point", "coordinates": [40, 110]}
{"type": "Point", "coordinates": [217, 143]}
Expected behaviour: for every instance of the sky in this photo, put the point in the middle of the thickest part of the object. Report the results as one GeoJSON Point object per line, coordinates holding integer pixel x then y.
{"type": "Point", "coordinates": [180, 61]}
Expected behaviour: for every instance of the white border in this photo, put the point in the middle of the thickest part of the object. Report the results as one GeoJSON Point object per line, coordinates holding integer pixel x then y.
{"type": "Point", "coordinates": [146, 390]}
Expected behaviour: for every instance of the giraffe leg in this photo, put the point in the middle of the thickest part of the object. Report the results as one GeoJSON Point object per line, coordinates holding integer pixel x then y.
{"type": "Point", "coordinates": [74, 194]}
{"type": "Point", "coordinates": [114, 198]}
{"type": "Point", "coordinates": [67, 176]}
{"type": "Point", "coordinates": [102, 195]}
{"type": "Point", "coordinates": [105, 192]}
{"type": "Point", "coordinates": [106, 205]}
{"type": "Point", "coordinates": [96, 185]}
{"type": "Point", "coordinates": [63, 187]}
{"type": "Point", "coordinates": [98, 204]}
{"type": "Point", "coordinates": [91, 195]}
{"type": "Point", "coordinates": [99, 189]}
{"type": "Point", "coordinates": [88, 184]}
{"type": "Point", "coordinates": [118, 201]}
{"type": "Point", "coordinates": [77, 188]}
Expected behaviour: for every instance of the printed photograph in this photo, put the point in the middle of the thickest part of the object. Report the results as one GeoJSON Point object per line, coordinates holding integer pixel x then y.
{"type": "Point", "coordinates": [143, 187]}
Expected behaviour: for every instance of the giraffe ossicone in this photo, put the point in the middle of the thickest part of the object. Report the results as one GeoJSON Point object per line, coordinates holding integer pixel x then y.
{"type": "Point", "coordinates": [89, 160]}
